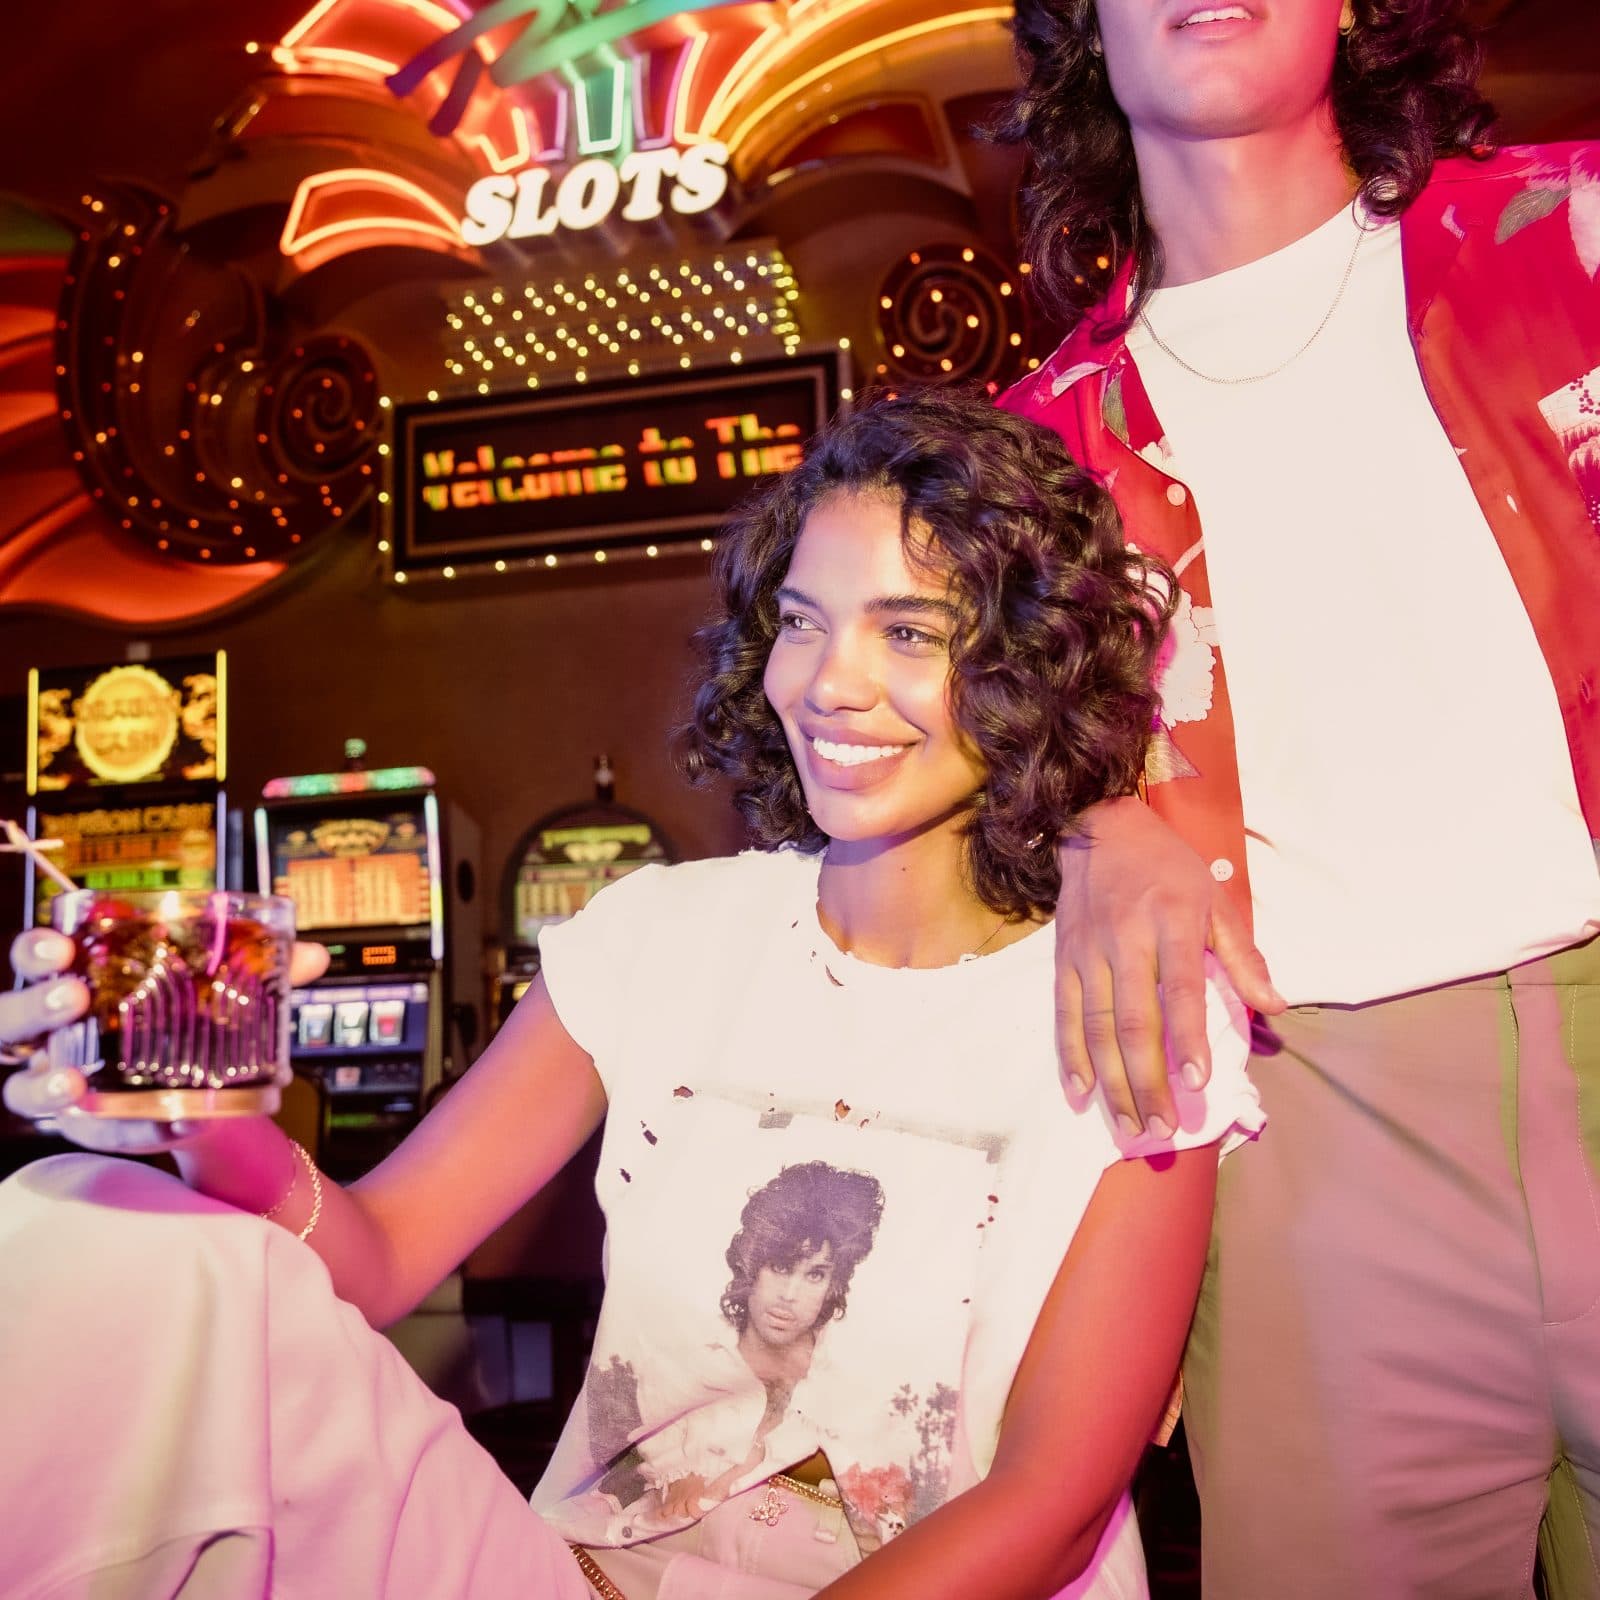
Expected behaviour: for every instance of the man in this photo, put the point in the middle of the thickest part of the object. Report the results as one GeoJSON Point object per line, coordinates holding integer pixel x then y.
{"type": "Point", "coordinates": [1340, 364]}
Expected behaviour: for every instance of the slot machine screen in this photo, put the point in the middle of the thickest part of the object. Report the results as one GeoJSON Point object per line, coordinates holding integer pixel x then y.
{"type": "Point", "coordinates": [164, 846]}
{"type": "Point", "coordinates": [354, 868]}
{"type": "Point", "coordinates": [568, 858]}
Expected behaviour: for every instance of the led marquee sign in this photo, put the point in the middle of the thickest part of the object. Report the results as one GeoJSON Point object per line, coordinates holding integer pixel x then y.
{"type": "Point", "coordinates": [607, 468]}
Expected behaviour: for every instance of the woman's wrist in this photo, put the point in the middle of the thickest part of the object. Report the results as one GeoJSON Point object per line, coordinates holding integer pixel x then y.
{"type": "Point", "coordinates": [249, 1163]}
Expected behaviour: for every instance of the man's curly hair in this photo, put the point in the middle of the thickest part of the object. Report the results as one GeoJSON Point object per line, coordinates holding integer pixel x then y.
{"type": "Point", "coordinates": [1404, 93]}
{"type": "Point", "coordinates": [1051, 670]}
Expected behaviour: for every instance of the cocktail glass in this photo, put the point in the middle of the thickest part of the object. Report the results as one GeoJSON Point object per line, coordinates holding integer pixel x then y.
{"type": "Point", "coordinates": [189, 1002]}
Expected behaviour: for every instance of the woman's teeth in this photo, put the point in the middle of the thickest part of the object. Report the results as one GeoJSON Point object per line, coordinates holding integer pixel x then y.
{"type": "Point", "coordinates": [853, 755]}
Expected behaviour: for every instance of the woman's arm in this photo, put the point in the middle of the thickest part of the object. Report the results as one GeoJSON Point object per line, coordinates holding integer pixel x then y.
{"type": "Point", "coordinates": [1093, 1381]}
{"type": "Point", "coordinates": [495, 1139]}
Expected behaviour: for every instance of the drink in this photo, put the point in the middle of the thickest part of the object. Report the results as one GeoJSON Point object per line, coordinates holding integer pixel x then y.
{"type": "Point", "coordinates": [189, 1002]}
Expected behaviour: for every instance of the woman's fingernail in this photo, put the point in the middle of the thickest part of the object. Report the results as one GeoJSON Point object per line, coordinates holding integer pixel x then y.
{"type": "Point", "coordinates": [1078, 1084]}
{"type": "Point", "coordinates": [61, 997]}
{"type": "Point", "coordinates": [1193, 1075]}
{"type": "Point", "coordinates": [1157, 1127]}
{"type": "Point", "coordinates": [51, 946]}
{"type": "Point", "coordinates": [58, 1086]}
{"type": "Point", "coordinates": [1130, 1128]}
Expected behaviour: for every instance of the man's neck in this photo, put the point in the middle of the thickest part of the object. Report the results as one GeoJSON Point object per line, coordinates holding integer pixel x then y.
{"type": "Point", "coordinates": [1217, 204]}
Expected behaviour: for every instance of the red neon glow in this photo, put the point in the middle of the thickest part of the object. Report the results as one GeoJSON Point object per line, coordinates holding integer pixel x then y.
{"type": "Point", "coordinates": [368, 40]}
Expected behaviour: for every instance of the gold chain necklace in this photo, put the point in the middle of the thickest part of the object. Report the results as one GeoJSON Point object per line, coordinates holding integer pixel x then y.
{"type": "Point", "coordinates": [1272, 372]}
{"type": "Point", "coordinates": [978, 949]}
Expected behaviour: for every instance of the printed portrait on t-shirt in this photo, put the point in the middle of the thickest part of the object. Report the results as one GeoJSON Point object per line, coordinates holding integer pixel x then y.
{"type": "Point", "coordinates": [782, 1263]}
{"type": "Point", "coordinates": [799, 1240]}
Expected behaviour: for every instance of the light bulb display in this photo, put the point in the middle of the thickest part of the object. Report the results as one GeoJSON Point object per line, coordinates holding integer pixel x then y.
{"type": "Point", "coordinates": [722, 307]}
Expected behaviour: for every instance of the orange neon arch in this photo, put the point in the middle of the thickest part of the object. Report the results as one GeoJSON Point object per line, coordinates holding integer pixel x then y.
{"type": "Point", "coordinates": [329, 207]}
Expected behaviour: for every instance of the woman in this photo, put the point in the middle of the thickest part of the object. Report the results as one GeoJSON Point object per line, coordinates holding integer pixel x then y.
{"type": "Point", "coordinates": [934, 650]}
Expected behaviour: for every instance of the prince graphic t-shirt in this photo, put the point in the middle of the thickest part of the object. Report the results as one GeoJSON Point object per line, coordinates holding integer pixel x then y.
{"type": "Point", "coordinates": [836, 1196]}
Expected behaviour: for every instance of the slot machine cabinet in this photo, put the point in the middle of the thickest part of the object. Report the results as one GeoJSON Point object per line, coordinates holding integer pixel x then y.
{"type": "Point", "coordinates": [546, 1259]}
{"type": "Point", "coordinates": [562, 861]}
{"type": "Point", "coordinates": [126, 767]}
{"type": "Point", "coordinates": [383, 874]}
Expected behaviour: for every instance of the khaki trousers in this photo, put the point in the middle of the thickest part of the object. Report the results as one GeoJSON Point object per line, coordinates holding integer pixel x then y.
{"type": "Point", "coordinates": [1394, 1374]}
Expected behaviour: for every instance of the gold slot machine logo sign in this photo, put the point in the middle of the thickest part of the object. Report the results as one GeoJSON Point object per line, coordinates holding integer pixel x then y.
{"type": "Point", "coordinates": [351, 836]}
{"type": "Point", "coordinates": [127, 724]}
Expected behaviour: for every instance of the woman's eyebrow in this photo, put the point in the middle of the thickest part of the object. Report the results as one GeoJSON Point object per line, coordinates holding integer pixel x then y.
{"type": "Point", "coordinates": [925, 603]}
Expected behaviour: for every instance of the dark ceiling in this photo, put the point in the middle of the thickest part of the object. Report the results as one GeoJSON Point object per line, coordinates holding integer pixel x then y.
{"type": "Point", "coordinates": [102, 89]}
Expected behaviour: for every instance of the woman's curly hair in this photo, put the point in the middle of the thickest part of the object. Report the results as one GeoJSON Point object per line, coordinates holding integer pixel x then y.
{"type": "Point", "coordinates": [1404, 93]}
{"type": "Point", "coordinates": [1051, 671]}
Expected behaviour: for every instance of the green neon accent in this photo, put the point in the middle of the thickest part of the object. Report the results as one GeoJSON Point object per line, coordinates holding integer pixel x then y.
{"type": "Point", "coordinates": [536, 51]}
{"type": "Point", "coordinates": [599, 98]}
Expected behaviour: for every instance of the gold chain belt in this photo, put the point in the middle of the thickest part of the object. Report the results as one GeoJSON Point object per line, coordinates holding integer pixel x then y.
{"type": "Point", "coordinates": [598, 1581]}
{"type": "Point", "coordinates": [764, 1512]}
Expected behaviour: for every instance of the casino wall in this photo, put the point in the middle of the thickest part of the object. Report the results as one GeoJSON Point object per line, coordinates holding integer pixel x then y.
{"type": "Point", "coordinates": [246, 245]}
{"type": "Point", "coordinates": [239, 266]}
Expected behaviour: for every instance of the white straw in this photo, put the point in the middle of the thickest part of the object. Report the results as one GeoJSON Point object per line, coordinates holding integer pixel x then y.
{"type": "Point", "coordinates": [21, 842]}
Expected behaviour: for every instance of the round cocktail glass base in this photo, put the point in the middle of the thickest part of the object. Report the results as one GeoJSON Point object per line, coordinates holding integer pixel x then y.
{"type": "Point", "coordinates": [182, 1105]}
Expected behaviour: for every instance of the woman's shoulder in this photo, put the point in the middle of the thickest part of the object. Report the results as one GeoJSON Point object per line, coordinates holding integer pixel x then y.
{"type": "Point", "coordinates": [725, 890]}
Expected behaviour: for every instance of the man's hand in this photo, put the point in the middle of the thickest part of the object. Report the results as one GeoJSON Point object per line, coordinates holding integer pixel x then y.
{"type": "Point", "coordinates": [1138, 910]}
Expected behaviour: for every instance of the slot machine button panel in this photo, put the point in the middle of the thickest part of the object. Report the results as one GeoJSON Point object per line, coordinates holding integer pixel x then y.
{"type": "Point", "coordinates": [350, 1023]}
{"type": "Point", "coordinates": [387, 1023]}
{"type": "Point", "coordinates": [314, 1026]}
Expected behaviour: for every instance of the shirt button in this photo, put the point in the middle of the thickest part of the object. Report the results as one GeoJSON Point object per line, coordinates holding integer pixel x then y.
{"type": "Point", "coordinates": [1176, 494]}
{"type": "Point", "coordinates": [1222, 869]}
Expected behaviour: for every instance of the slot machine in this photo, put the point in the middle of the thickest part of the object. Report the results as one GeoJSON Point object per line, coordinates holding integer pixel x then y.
{"type": "Point", "coordinates": [557, 866]}
{"type": "Point", "coordinates": [383, 874]}
{"type": "Point", "coordinates": [125, 771]}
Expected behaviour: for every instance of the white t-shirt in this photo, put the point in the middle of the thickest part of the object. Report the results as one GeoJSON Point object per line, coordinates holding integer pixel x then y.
{"type": "Point", "coordinates": [863, 1177]}
{"type": "Point", "coordinates": [1410, 810]}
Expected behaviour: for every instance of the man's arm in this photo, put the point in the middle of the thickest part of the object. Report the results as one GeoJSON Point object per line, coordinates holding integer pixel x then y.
{"type": "Point", "coordinates": [1093, 1381]}
{"type": "Point", "coordinates": [1137, 913]}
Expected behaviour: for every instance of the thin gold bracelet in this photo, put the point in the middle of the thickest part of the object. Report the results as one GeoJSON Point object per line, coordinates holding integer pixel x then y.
{"type": "Point", "coordinates": [316, 1191]}
{"type": "Point", "coordinates": [294, 1179]}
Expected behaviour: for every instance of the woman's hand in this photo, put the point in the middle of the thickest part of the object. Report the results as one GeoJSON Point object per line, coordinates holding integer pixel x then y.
{"type": "Point", "coordinates": [1137, 913]}
{"type": "Point", "coordinates": [53, 998]}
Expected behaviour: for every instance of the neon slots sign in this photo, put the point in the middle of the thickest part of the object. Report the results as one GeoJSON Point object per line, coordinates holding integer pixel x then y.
{"type": "Point", "coordinates": [575, 111]}
{"type": "Point", "coordinates": [526, 205]}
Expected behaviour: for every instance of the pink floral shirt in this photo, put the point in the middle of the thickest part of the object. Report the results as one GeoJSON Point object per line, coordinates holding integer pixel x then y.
{"type": "Point", "coordinates": [1502, 269]}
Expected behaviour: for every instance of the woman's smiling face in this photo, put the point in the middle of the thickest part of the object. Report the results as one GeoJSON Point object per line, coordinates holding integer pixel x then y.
{"type": "Point", "coordinates": [859, 676]}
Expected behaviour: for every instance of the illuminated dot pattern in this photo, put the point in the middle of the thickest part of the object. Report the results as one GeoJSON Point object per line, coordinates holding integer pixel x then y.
{"type": "Point", "coordinates": [951, 313]}
{"type": "Point", "coordinates": [201, 438]}
{"type": "Point", "coordinates": [736, 304]}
